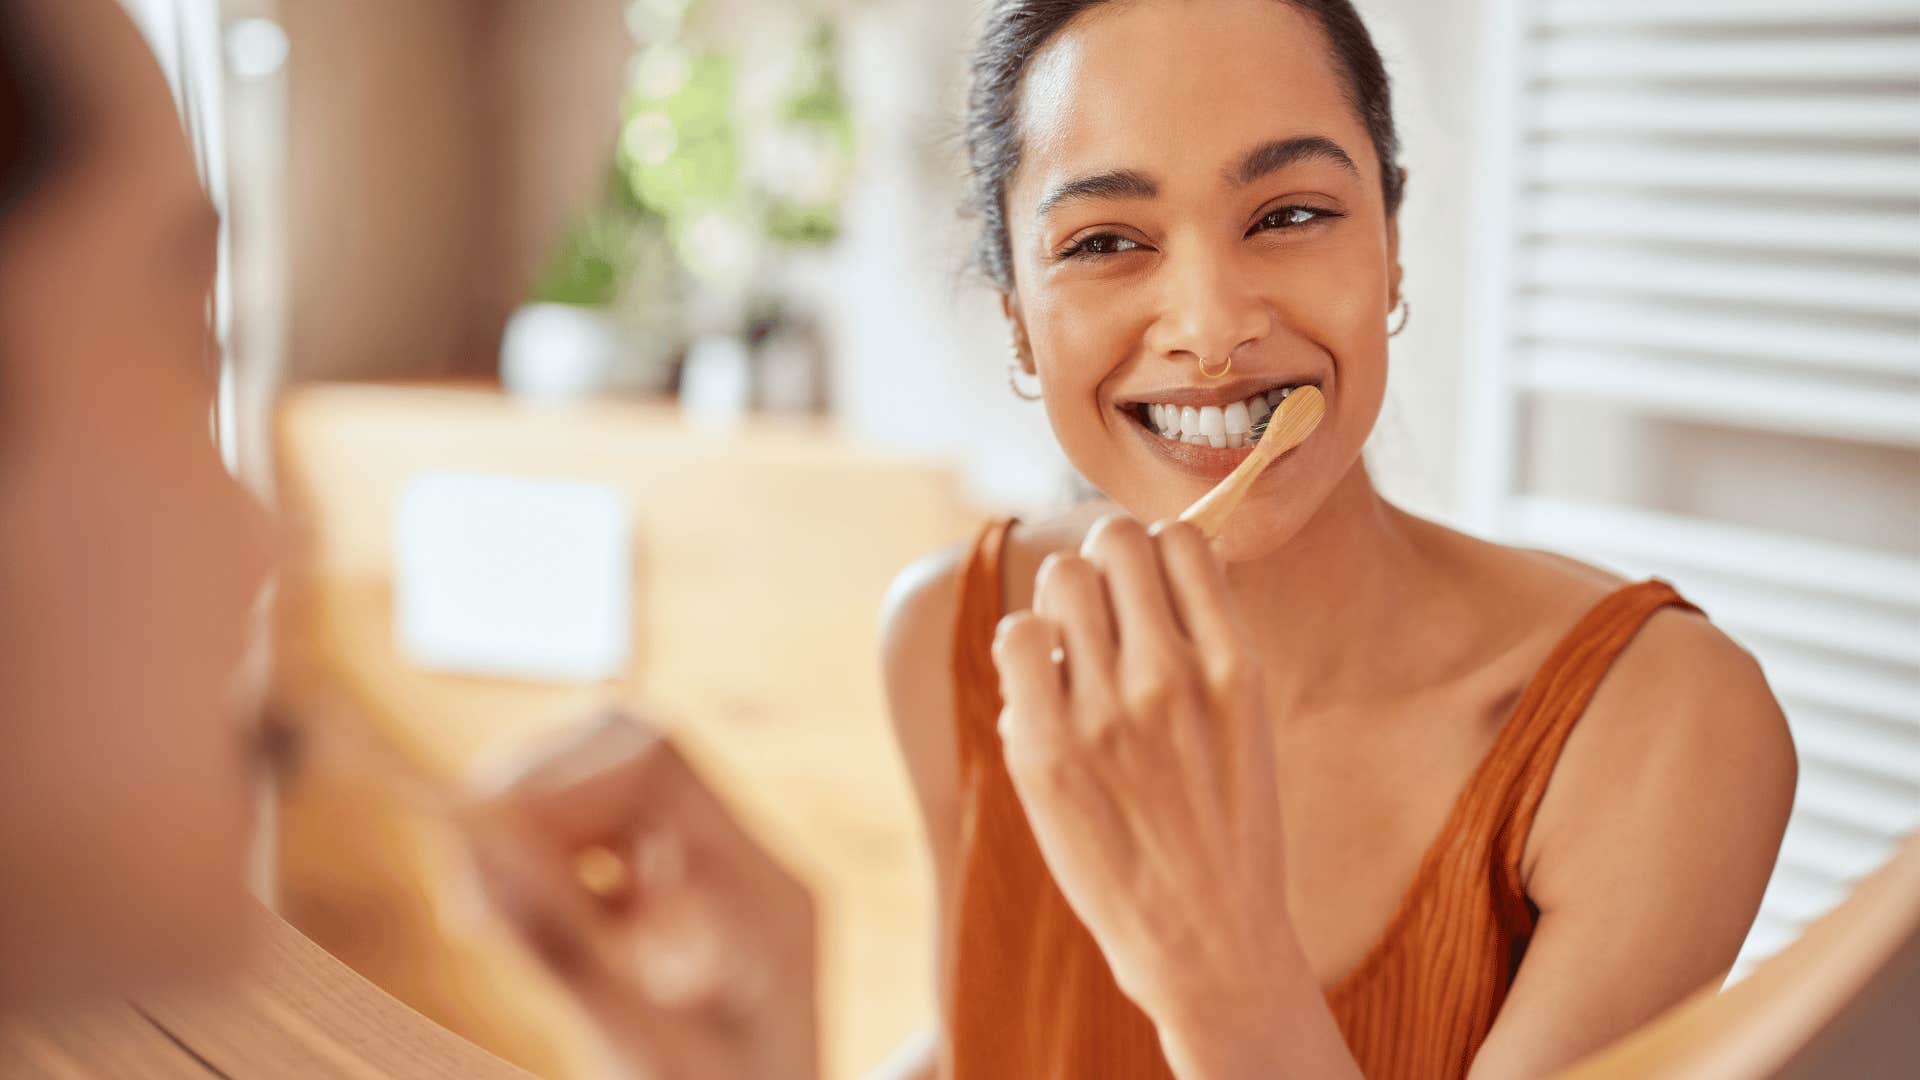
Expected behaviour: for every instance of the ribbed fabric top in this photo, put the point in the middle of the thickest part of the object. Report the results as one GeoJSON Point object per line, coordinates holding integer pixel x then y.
{"type": "Point", "coordinates": [1033, 997]}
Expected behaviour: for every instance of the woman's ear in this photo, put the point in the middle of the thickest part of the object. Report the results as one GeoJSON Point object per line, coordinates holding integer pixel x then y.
{"type": "Point", "coordinates": [1022, 350]}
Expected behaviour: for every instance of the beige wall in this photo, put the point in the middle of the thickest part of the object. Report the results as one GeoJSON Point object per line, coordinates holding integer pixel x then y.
{"type": "Point", "coordinates": [436, 147]}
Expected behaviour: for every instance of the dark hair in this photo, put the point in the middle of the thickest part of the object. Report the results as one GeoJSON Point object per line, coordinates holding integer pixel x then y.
{"type": "Point", "coordinates": [30, 132]}
{"type": "Point", "coordinates": [1017, 29]}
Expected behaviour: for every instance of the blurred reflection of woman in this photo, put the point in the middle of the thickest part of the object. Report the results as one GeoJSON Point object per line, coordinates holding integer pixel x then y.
{"type": "Point", "coordinates": [129, 564]}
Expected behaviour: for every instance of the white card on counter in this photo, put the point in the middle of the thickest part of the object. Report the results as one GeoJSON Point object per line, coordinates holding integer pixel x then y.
{"type": "Point", "coordinates": [511, 577]}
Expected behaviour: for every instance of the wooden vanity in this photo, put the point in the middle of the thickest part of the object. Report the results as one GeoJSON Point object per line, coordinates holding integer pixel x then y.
{"type": "Point", "coordinates": [761, 557]}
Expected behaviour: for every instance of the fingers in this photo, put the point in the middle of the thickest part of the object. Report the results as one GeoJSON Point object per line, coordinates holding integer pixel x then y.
{"type": "Point", "coordinates": [1033, 687]}
{"type": "Point", "coordinates": [1071, 593]}
{"type": "Point", "coordinates": [1123, 551]}
{"type": "Point", "coordinates": [1198, 585]}
{"type": "Point", "coordinates": [624, 816]}
{"type": "Point", "coordinates": [618, 779]}
{"type": "Point", "coordinates": [530, 883]}
{"type": "Point", "coordinates": [590, 787]}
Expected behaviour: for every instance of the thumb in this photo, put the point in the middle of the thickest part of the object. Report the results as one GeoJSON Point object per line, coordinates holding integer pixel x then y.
{"type": "Point", "coordinates": [530, 883]}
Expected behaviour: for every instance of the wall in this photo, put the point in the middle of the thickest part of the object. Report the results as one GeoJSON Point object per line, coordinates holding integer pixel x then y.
{"type": "Point", "coordinates": [436, 146]}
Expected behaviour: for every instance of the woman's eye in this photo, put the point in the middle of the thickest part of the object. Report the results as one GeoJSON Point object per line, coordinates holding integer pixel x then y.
{"type": "Point", "coordinates": [1101, 244]}
{"type": "Point", "coordinates": [1292, 217]}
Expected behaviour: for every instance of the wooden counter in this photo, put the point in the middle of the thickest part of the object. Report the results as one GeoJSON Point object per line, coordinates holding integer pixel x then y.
{"type": "Point", "coordinates": [761, 560]}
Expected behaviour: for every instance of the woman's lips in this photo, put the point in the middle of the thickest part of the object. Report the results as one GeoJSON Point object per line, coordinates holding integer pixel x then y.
{"type": "Point", "coordinates": [1206, 462]}
{"type": "Point", "coordinates": [1197, 458]}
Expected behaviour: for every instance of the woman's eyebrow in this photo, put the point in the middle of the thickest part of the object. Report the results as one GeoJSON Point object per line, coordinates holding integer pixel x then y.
{"type": "Point", "coordinates": [1267, 158]}
{"type": "Point", "coordinates": [1271, 157]}
{"type": "Point", "coordinates": [1118, 184]}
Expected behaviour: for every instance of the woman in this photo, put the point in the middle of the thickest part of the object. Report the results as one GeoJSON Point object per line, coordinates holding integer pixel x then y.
{"type": "Point", "coordinates": [1348, 791]}
{"type": "Point", "coordinates": [131, 562]}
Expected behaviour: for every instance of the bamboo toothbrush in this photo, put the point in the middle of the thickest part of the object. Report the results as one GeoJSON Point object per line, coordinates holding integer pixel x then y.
{"type": "Point", "coordinates": [1287, 428]}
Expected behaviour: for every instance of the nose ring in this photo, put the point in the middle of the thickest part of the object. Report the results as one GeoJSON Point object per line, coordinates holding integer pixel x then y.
{"type": "Point", "coordinates": [1212, 373]}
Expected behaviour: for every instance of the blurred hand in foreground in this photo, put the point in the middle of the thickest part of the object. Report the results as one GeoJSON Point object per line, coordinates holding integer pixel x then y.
{"type": "Point", "coordinates": [691, 948]}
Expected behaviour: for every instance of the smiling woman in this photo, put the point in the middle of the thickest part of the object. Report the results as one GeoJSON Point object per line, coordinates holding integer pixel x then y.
{"type": "Point", "coordinates": [1345, 791]}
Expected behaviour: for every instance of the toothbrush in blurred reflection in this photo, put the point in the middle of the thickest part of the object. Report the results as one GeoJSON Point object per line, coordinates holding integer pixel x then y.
{"type": "Point", "coordinates": [1287, 428]}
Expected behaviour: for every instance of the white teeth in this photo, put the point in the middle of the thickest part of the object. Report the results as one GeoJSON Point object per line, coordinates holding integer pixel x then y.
{"type": "Point", "coordinates": [1237, 420]}
{"type": "Point", "coordinates": [1219, 426]}
{"type": "Point", "coordinates": [1239, 424]}
{"type": "Point", "coordinates": [1213, 425]}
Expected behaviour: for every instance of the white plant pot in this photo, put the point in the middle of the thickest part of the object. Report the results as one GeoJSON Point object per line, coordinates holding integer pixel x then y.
{"type": "Point", "coordinates": [716, 389]}
{"type": "Point", "coordinates": [558, 353]}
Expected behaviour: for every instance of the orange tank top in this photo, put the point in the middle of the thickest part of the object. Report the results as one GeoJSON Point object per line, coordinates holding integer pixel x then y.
{"type": "Point", "coordinates": [1032, 997]}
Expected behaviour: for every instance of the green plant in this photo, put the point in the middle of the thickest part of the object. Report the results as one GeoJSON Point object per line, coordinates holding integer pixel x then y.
{"type": "Point", "coordinates": [729, 153]}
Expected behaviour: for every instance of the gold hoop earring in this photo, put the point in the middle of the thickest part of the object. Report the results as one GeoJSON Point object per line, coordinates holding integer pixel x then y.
{"type": "Point", "coordinates": [1220, 374]}
{"type": "Point", "coordinates": [1405, 309]}
{"type": "Point", "coordinates": [1016, 367]}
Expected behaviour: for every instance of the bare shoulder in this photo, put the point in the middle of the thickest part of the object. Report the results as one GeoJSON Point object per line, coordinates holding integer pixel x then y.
{"type": "Point", "coordinates": [1029, 544]}
{"type": "Point", "coordinates": [916, 647]}
{"type": "Point", "coordinates": [923, 604]}
{"type": "Point", "coordinates": [1508, 605]}
{"type": "Point", "coordinates": [1685, 747]}
{"type": "Point", "coordinates": [924, 599]}
{"type": "Point", "coordinates": [1543, 586]}
{"type": "Point", "coordinates": [917, 638]}
{"type": "Point", "coordinates": [1652, 847]}
{"type": "Point", "coordinates": [917, 629]}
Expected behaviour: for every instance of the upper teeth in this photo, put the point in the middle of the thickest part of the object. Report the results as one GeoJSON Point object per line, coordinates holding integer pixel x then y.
{"type": "Point", "coordinates": [1230, 426]}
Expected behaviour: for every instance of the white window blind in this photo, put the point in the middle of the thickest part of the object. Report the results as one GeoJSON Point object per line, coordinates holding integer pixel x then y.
{"type": "Point", "coordinates": [1697, 354]}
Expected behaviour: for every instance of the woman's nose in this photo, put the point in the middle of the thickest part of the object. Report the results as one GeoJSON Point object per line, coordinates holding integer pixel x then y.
{"type": "Point", "coordinates": [1206, 311]}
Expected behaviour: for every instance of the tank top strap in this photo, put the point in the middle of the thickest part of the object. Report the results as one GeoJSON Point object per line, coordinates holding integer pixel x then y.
{"type": "Point", "coordinates": [976, 683]}
{"type": "Point", "coordinates": [1528, 747]}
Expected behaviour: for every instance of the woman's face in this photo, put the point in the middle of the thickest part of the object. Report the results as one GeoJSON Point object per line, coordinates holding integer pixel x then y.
{"type": "Point", "coordinates": [129, 560]}
{"type": "Point", "coordinates": [1194, 183]}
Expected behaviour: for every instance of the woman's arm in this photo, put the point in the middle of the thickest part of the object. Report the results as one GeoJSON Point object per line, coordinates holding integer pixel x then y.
{"type": "Point", "coordinates": [1651, 848]}
{"type": "Point", "coordinates": [916, 651]}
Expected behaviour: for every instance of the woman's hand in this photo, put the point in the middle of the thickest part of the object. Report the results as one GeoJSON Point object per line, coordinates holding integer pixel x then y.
{"type": "Point", "coordinates": [1137, 737]}
{"type": "Point", "coordinates": [693, 950]}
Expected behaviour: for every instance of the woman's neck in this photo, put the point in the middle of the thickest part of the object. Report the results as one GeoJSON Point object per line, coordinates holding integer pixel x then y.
{"type": "Point", "coordinates": [1326, 609]}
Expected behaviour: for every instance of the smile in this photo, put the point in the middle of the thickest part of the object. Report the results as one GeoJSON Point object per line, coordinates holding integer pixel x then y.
{"type": "Point", "coordinates": [1236, 425]}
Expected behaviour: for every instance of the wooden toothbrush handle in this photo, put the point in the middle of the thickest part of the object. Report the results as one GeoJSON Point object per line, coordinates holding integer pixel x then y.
{"type": "Point", "coordinates": [1298, 415]}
